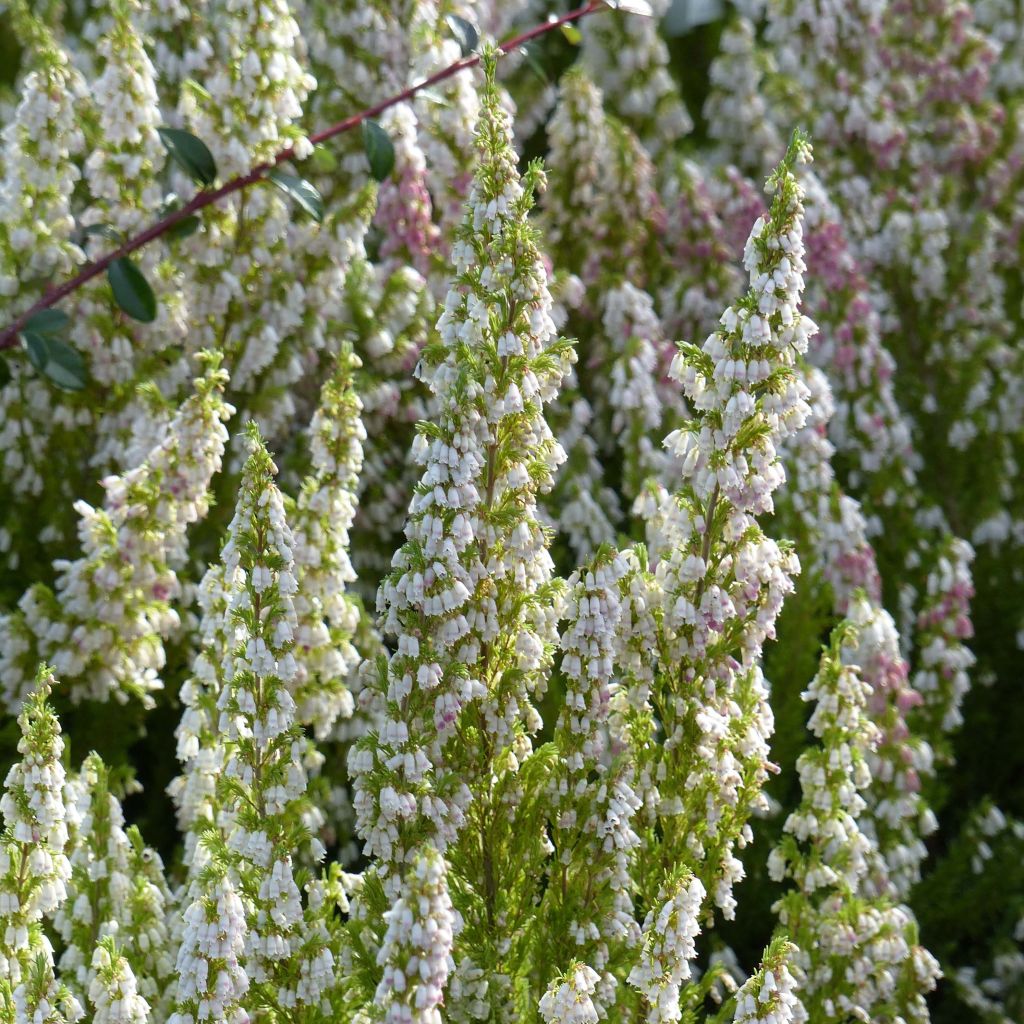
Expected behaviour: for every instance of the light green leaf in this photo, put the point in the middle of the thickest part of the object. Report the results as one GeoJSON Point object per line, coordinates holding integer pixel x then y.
{"type": "Point", "coordinates": [572, 34]}
{"type": "Point", "coordinates": [301, 191]}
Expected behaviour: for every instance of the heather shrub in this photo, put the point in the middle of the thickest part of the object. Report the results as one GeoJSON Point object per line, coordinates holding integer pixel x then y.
{"type": "Point", "coordinates": [511, 512]}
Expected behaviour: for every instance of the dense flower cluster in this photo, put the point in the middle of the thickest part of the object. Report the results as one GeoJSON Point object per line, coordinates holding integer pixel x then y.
{"type": "Point", "coordinates": [418, 664]}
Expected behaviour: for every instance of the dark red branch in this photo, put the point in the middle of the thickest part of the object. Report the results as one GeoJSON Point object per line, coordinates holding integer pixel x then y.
{"type": "Point", "coordinates": [9, 335]}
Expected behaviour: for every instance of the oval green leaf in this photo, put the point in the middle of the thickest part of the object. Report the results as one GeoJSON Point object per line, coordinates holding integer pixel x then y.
{"type": "Point", "coordinates": [379, 150]}
{"type": "Point", "coordinates": [48, 321]}
{"type": "Point", "coordinates": [190, 154]}
{"type": "Point", "coordinates": [56, 360]}
{"type": "Point", "coordinates": [301, 191]}
{"type": "Point", "coordinates": [465, 33]}
{"type": "Point", "coordinates": [185, 227]}
{"type": "Point", "coordinates": [131, 290]}
{"type": "Point", "coordinates": [66, 367]}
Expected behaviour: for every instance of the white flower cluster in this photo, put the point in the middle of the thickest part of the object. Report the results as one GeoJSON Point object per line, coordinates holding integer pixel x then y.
{"type": "Point", "coordinates": [896, 817]}
{"type": "Point", "coordinates": [702, 276]}
{"type": "Point", "coordinates": [769, 996]}
{"type": "Point", "coordinates": [244, 765]}
{"type": "Point", "coordinates": [211, 980]}
{"type": "Point", "coordinates": [602, 208]}
{"type": "Point", "coordinates": [568, 999]}
{"type": "Point", "coordinates": [104, 624]}
{"type": "Point", "coordinates": [832, 776]}
{"type": "Point", "coordinates": [40, 144]}
{"type": "Point", "coordinates": [668, 948]}
{"type": "Point", "coordinates": [416, 951]}
{"type": "Point", "coordinates": [943, 625]}
{"type": "Point", "coordinates": [127, 105]}
{"type": "Point", "coordinates": [34, 869]}
{"type": "Point", "coordinates": [469, 575]}
{"type": "Point", "coordinates": [857, 952]}
{"type": "Point", "coordinates": [116, 891]}
{"type": "Point", "coordinates": [737, 115]}
{"type": "Point", "coordinates": [639, 406]}
{"type": "Point", "coordinates": [628, 59]}
{"type": "Point", "coordinates": [593, 802]}
{"type": "Point", "coordinates": [717, 574]}
{"type": "Point", "coordinates": [113, 991]}
{"type": "Point", "coordinates": [326, 618]}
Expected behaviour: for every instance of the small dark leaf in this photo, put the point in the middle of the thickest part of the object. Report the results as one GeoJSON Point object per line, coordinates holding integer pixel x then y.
{"type": "Point", "coordinates": [66, 367]}
{"type": "Point", "coordinates": [5, 372]}
{"type": "Point", "coordinates": [190, 153]}
{"type": "Point", "coordinates": [131, 290]}
{"type": "Point", "coordinates": [184, 228]}
{"type": "Point", "coordinates": [379, 150]}
{"type": "Point", "coordinates": [465, 33]}
{"type": "Point", "coordinates": [301, 191]}
{"type": "Point", "coordinates": [56, 360]}
{"type": "Point", "coordinates": [35, 347]}
{"type": "Point", "coordinates": [48, 321]}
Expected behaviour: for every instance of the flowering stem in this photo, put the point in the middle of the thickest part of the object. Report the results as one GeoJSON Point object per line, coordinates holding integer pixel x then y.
{"type": "Point", "coordinates": [207, 197]}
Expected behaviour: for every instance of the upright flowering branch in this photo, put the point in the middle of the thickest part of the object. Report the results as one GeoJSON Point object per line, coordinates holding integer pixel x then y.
{"type": "Point", "coordinates": [123, 177]}
{"type": "Point", "coordinates": [470, 599]}
{"type": "Point", "coordinates": [34, 869]}
{"type": "Point", "coordinates": [721, 582]}
{"type": "Point", "coordinates": [248, 849]}
{"type": "Point", "coordinates": [736, 113]}
{"type": "Point", "coordinates": [568, 999]}
{"type": "Point", "coordinates": [944, 660]}
{"type": "Point", "coordinates": [112, 897]}
{"type": "Point", "coordinates": [104, 623]}
{"type": "Point", "coordinates": [834, 532]}
{"type": "Point", "coordinates": [113, 990]}
{"type": "Point", "coordinates": [896, 816]}
{"type": "Point", "coordinates": [699, 274]}
{"type": "Point", "coordinates": [416, 951]}
{"type": "Point", "coordinates": [602, 189]}
{"type": "Point", "coordinates": [628, 59]}
{"type": "Point", "coordinates": [42, 144]}
{"type": "Point", "coordinates": [40, 172]}
{"type": "Point", "coordinates": [642, 402]}
{"type": "Point", "coordinates": [588, 896]}
{"type": "Point", "coordinates": [858, 954]}
{"type": "Point", "coordinates": [326, 616]}
{"type": "Point", "coordinates": [770, 995]}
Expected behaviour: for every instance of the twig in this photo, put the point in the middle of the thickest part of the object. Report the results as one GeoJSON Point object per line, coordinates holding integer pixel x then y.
{"type": "Point", "coordinates": [9, 335]}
